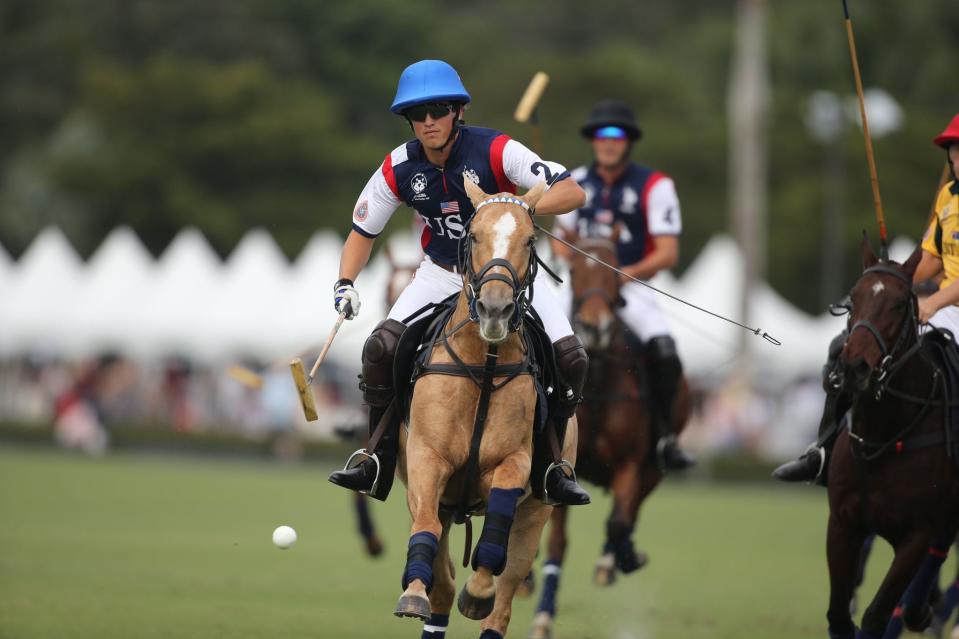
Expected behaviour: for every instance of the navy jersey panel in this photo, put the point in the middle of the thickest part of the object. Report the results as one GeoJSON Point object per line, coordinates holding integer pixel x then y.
{"type": "Point", "coordinates": [438, 195]}
{"type": "Point", "coordinates": [624, 201]}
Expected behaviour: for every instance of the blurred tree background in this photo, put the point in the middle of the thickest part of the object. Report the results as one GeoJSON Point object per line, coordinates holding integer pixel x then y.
{"type": "Point", "coordinates": [230, 114]}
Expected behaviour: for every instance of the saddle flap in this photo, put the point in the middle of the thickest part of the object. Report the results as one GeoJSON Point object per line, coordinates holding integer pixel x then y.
{"type": "Point", "coordinates": [417, 333]}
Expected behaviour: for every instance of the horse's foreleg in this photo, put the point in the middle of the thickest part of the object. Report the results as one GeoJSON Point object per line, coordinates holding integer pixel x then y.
{"type": "Point", "coordinates": [556, 550]}
{"type": "Point", "coordinates": [524, 539]}
{"type": "Point", "coordinates": [917, 613]}
{"type": "Point", "coordinates": [489, 558]}
{"type": "Point", "coordinates": [909, 555]}
{"type": "Point", "coordinates": [618, 551]}
{"type": "Point", "coordinates": [842, 553]}
{"type": "Point", "coordinates": [374, 546]}
{"type": "Point", "coordinates": [444, 588]}
{"type": "Point", "coordinates": [423, 498]}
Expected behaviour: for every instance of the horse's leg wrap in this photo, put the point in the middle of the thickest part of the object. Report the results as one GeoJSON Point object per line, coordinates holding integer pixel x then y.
{"type": "Point", "coordinates": [435, 628]}
{"type": "Point", "coordinates": [916, 598]}
{"type": "Point", "coordinates": [376, 382]}
{"type": "Point", "coordinates": [619, 542]}
{"type": "Point", "coordinates": [489, 633]}
{"type": "Point", "coordinates": [551, 574]}
{"type": "Point", "coordinates": [491, 549]}
{"type": "Point", "coordinates": [665, 373]}
{"type": "Point", "coordinates": [419, 559]}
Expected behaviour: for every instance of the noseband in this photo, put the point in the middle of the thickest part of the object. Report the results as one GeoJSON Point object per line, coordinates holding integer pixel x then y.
{"type": "Point", "coordinates": [474, 280]}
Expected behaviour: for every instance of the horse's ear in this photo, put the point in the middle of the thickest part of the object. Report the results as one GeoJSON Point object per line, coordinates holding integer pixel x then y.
{"type": "Point", "coordinates": [474, 192]}
{"type": "Point", "coordinates": [534, 194]}
{"type": "Point", "coordinates": [911, 264]}
{"type": "Point", "coordinates": [868, 256]}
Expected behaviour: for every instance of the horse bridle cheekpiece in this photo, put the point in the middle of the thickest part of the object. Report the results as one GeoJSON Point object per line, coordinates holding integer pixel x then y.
{"type": "Point", "coordinates": [909, 317]}
{"type": "Point", "coordinates": [522, 290]}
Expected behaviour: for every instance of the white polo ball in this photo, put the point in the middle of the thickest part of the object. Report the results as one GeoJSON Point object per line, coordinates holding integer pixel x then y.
{"type": "Point", "coordinates": [284, 537]}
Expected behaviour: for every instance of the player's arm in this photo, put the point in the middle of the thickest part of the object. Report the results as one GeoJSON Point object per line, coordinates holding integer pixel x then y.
{"type": "Point", "coordinates": [664, 222]}
{"type": "Point", "coordinates": [664, 255]}
{"type": "Point", "coordinates": [929, 266]}
{"type": "Point", "coordinates": [524, 168]}
{"type": "Point", "coordinates": [373, 210]}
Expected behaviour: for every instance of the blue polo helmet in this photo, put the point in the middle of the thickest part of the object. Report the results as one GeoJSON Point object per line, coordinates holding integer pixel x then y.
{"type": "Point", "coordinates": [428, 81]}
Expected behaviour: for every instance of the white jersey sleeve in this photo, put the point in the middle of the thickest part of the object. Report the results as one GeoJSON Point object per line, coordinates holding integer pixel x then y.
{"type": "Point", "coordinates": [375, 206]}
{"type": "Point", "coordinates": [526, 169]}
{"type": "Point", "coordinates": [663, 216]}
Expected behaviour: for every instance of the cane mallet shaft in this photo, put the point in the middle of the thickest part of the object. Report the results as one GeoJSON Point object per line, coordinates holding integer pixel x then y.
{"type": "Point", "coordinates": [302, 380]}
{"type": "Point", "coordinates": [873, 177]}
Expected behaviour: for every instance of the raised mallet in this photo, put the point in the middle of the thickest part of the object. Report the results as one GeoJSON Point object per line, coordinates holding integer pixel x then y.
{"type": "Point", "coordinates": [526, 109]}
{"type": "Point", "coordinates": [302, 380]}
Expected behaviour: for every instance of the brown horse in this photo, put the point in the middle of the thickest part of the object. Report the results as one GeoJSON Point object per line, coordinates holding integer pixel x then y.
{"type": "Point", "coordinates": [615, 447]}
{"type": "Point", "coordinates": [890, 473]}
{"type": "Point", "coordinates": [446, 409]}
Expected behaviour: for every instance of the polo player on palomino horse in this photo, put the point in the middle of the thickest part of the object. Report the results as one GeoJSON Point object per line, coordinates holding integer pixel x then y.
{"type": "Point", "coordinates": [643, 203]}
{"type": "Point", "coordinates": [940, 254]}
{"type": "Point", "coordinates": [427, 175]}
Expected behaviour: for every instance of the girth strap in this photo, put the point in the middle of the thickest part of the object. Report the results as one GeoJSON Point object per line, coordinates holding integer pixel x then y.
{"type": "Point", "coordinates": [479, 425]}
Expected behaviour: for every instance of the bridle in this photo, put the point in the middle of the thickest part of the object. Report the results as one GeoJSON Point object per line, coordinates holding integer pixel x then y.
{"type": "Point", "coordinates": [909, 325]}
{"type": "Point", "coordinates": [474, 280]}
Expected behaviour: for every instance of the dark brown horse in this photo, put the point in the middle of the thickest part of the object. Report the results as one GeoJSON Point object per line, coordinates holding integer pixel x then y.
{"type": "Point", "coordinates": [615, 438]}
{"type": "Point", "coordinates": [890, 473]}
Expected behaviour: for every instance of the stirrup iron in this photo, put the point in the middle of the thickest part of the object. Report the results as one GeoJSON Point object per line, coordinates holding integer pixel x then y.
{"type": "Point", "coordinates": [376, 460]}
{"type": "Point", "coordinates": [560, 464]}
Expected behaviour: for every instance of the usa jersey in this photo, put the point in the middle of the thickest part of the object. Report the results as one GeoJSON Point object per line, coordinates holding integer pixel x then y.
{"type": "Point", "coordinates": [643, 200]}
{"type": "Point", "coordinates": [488, 158]}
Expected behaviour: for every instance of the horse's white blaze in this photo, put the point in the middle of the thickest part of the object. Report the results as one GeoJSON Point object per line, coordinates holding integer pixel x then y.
{"type": "Point", "coordinates": [878, 288]}
{"type": "Point", "coordinates": [503, 228]}
{"type": "Point", "coordinates": [592, 263]}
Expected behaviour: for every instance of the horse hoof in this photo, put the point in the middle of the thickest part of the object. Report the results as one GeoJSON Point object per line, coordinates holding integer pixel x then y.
{"type": "Point", "coordinates": [413, 606]}
{"type": "Point", "coordinates": [374, 547]}
{"type": "Point", "coordinates": [473, 607]}
{"type": "Point", "coordinates": [527, 587]}
{"type": "Point", "coordinates": [542, 626]}
{"type": "Point", "coordinates": [605, 572]}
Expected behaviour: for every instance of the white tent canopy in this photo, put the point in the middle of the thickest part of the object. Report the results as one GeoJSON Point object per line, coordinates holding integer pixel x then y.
{"type": "Point", "coordinates": [258, 305]}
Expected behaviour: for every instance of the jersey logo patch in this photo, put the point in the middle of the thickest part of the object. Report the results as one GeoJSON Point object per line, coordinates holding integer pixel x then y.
{"type": "Point", "coordinates": [362, 211]}
{"type": "Point", "coordinates": [418, 183]}
{"type": "Point", "coordinates": [471, 175]}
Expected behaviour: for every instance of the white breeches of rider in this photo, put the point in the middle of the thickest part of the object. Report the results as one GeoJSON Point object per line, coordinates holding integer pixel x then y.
{"type": "Point", "coordinates": [642, 313]}
{"type": "Point", "coordinates": [947, 318]}
{"type": "Point", "coordinates": [431, 283]}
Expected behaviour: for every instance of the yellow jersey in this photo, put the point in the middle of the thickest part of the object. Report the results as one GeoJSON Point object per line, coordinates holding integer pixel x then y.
{"type": "Point", "coordinates": [942, 236]}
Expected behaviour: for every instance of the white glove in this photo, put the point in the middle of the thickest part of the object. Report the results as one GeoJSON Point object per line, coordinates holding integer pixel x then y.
{"type": "Point", "coordinates": [346, 299]}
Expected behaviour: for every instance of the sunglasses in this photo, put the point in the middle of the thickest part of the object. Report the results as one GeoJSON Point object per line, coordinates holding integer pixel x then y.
{"type": "Point", "coordinates": [435, 110]}
{"type": "Point", "coordinates": [610, 133]}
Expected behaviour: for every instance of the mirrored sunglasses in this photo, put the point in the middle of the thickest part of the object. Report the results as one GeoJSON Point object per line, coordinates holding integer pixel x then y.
{"type": "Point", "coordinates": [610, 132]}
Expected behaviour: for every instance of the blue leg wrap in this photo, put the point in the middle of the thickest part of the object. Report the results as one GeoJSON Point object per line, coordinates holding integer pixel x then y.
{"type": "Point", "coordinates": [491, 549]}
{"type": "Point", "coordinates": [435, 628]}
{"type": "Point", "coordinates": [490, 634]}
{"type": "Point", "coordinates": [917, 594]}
{"type": "Point", "coordinates": [895, 625]}
{"type": "Point", "coordinates": [547, 602]}
{"type": "Point", "coordinates": [949, 601]}
{"type": "Point", "coordinates": [419, 559]}
{"type": "Point", "coordinates": [862, 634]}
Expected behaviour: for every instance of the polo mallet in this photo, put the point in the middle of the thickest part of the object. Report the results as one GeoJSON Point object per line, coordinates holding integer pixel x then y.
{"type": "Point", "coordinates": [526, 109]}
{"type": "Point", "coordinates": [302, 380]}
{"type": "Point", "coordinates": [877, 201]}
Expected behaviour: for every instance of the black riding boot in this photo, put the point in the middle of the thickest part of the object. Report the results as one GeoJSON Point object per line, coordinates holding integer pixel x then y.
{"type": "Point", "coordinates": [550, 481]}
{"type": "Point", "coordinates": [665, 374]}
{"type": "Point", "coordinates": [812, 464]}
{"type": "Point", "coordinates": [374, 475]}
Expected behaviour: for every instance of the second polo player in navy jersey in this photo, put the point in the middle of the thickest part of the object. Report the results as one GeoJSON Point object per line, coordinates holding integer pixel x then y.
{"type": "Point", "coordinates": [643, 203]}
{"type": "Point", "coordinates": [427, 175]}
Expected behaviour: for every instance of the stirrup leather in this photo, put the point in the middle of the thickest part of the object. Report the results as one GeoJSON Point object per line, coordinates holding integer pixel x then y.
{"type": "Point", "coordinates": [376, 460]}
{"type": "Point", "coordinates": [560, 464]}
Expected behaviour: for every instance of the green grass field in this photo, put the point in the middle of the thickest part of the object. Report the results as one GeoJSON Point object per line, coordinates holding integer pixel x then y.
{"type": "Point", "coordinates": [158, 547]}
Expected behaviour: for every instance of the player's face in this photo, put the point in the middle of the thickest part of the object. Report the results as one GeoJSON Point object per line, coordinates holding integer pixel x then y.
{"type": "Point", "coordinates": [954, 158]}
{"type": "Point", "coordinates": [610, 152]}
{"type": "Point", "coordinates": [433, 132]}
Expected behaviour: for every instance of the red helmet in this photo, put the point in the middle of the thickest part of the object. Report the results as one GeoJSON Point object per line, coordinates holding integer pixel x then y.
{"type": "Point", "coordinates": [950, 136]}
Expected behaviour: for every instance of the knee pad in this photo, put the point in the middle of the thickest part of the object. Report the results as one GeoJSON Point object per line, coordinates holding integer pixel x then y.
{"type": "Point", "coordinates": [378, 353]}
{"type": "Point", "coordinates": [573, 362]}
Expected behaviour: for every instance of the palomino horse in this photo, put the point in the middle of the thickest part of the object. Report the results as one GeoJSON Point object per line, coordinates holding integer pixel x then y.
{"type": "Point", "coordinates": [891, 472]}
{"type": "Point", "coordinates": [446, 410]}
{"type": "Point", "coordinates": [615, 447]}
